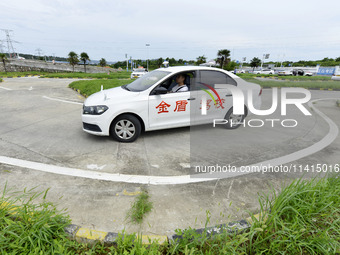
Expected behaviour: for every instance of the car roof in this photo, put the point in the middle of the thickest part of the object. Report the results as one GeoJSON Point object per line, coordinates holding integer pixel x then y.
{"type": "Point", "coordinates": [176, 69]}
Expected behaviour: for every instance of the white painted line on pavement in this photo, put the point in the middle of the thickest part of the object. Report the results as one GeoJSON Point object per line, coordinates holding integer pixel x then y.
{"type": "Point", "coordinates": [4, 88]}
{"type": "Point", "coordinates": [183, 179]}
{"type": "Point", "coordinates": [62, 100]}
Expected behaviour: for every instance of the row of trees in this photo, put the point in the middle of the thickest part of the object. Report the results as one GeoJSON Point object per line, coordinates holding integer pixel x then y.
{"type": "Point", "coordinates": [223, 59]}
{"type": "Point", "coordinates": [74, 59]}
{"type": "Point", "coordinates": [153, 63]}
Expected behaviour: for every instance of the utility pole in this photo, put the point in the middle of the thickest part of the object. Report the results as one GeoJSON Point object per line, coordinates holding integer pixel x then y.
{"type": "Point", "coordinates": [10, 48]}
{"type": "Point", "coordinates": [147, 56]}
{"type": "Point", "coordinates": [283, 59]}
{"type": "Point", "coordinates": [127, 64]}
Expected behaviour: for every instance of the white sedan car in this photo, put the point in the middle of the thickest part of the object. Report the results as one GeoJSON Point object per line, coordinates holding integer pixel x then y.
{"type": "Point", "coordinates": [285, 73]}
{"type": "Point", "coordinates": [265, 71]}
{"type": "Point", "coordinates": [138, 72]}
{"type": "Point", "coordinates": [146, 104]}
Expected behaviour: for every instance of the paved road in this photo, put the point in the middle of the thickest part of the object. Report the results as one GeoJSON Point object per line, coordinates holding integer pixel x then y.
{"type": "Point", "coordinates": [40, 122]}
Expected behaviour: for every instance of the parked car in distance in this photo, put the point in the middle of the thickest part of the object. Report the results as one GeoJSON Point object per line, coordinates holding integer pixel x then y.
{"type": "Point", "coordinates": [301, 72]}
{"type": "Point", "coordinates": [146, 104]}
{"type": "Point", "coordinates": [285, 72]}
{"type": "Point", "coordinates": [308, 73]}
{"type": "Point", "coordinates": [237, 71]}
{"type": "Point", "coordinates": [138, 72]}
{"type": "Point", "coordinates": [264, 71]}
{"type": "Point", "coordinates": [336, 77]}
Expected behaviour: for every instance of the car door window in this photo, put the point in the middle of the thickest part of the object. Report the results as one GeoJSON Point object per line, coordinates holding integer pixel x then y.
{"type": "Point", "coordinates": [214, 77]}
{"type": "Point", "coordinates": [171, 82]}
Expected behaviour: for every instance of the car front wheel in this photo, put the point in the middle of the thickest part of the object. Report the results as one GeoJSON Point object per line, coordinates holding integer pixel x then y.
{"type": "Point", "coordinates": [234, 120]}
{"type": "Point", "coordinates": [126, 128]}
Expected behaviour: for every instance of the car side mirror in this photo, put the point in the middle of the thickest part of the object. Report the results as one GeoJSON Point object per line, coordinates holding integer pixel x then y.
{"type": "Point", "coordinates": [160, 90]}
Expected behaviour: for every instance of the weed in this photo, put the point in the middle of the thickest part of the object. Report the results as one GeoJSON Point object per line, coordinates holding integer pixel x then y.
{"type": "Point", "coordinates": [304, 218]}
{"type": "Point", "coordinates": [140, 207]}
{"type": "Point", "coordinates": [30, 228]}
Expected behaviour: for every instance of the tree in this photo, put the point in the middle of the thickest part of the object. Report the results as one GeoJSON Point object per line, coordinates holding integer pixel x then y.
{"type": "Point", "coordinates": [84, 57]}
{"type": "Point", "coordinates": [337, 59]}
{"type": "Point", "coordinates": [223, 57]}
{"type": "Point", "coordinates": [230, 66]}
{"type": "Point", "coordinates": [201, 60]}
{"type": "Point", "coordinates": [160, 62]}
{"type": "Point", "coordinates": [255, 62]}
{"type": "Point", "coordinates": [102, 62]}
{"type": "Point", "coordinates": [3, 58]}
{"type": "Point", "coordinates": [73, 59]}
{"type": "Point", "coordinates": [172, 62]}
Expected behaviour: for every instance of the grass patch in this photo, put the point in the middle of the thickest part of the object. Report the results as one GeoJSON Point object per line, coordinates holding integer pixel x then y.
{"type": "Point", "coordinates": [21, 74]}
{"type": "Point", "coordinates": [30, 228]}
{"type": "Point", "coordinates": [141, 206]}
{"type": "Point", "coordinates": [115, 75]}
{"type": "Point", "coordinates": [305, 78]}
{"type": "Point", "coordinates": [338, 103]}
{"type": "Point", "coordinates": [290, 78]}
{"type": "Point", "coordinates": [304, 218]}
{"type": "Point", "coordinates": [88, 87]}
{"type": "Point", "coordinates": [1, 80]}
{"type": "Point", "coordinates": [303, 84]}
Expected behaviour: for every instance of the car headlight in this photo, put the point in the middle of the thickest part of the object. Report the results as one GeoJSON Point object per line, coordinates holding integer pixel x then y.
{"type": "Point", "coordinates": [95, 110]}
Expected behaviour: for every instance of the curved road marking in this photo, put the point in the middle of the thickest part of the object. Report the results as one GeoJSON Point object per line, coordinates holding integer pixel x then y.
{"type": "Point", "coordinates": [62, 100]}
{"type": "Point", "coordinates": [184, 179]}
{"type": "Point", "coordinates": [1, 87]}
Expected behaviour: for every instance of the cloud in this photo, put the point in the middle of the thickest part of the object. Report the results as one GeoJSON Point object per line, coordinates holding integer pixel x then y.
{"type": "Point", "coordinates": [180, 29]}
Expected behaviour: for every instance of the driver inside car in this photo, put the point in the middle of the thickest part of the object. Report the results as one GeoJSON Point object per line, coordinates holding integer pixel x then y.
{"type": "Point", "coordinates": [180, 85]}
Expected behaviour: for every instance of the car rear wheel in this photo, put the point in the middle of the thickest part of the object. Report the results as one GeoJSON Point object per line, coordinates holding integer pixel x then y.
{"type": "Point", "coordinates": [234, 120]}
{"type": "Point", "coordinates": [126, 128]}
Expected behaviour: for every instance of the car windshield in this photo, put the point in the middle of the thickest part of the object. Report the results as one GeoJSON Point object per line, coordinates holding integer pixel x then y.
{"type": "Point", "coordinates": [146, 81]}
{"type": "Point", "coordinates": [138, 70]}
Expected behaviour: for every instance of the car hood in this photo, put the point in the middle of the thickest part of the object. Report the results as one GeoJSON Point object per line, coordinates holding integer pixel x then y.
{"type": "Point", "coordinates": [104, 96]}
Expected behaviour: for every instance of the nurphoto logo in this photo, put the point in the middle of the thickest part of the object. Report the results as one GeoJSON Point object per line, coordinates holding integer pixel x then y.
{"type": "Point", "coordinates": [239, 102]}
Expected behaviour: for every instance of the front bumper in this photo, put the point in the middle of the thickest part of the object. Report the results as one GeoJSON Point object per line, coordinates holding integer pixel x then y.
{"type": "Point", "coordinates": [96, 124]}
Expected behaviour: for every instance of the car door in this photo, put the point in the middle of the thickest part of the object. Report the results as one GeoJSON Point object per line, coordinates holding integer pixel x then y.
{"type": "Point", "coordinates": [218, 100]}
{"type": "Point", "coordinates": [171, 109]}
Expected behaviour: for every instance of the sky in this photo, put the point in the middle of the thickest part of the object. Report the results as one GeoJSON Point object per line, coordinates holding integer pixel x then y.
{"type": "Point", "coordinates": [287, 30]}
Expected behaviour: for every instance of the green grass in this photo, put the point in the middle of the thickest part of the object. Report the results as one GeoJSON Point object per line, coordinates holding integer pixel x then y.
{"type": "Point", "coordinates": [88, 87]}
{"type": "Point", "coordinates": [30, 228]}
{"type": "Point", "coordinates": [115, 75]}
{"type": "Point", "coordinates": [303, 84]}
{"type": "Point", "coordinates": [1, 80]}
{"type": "Point", "coordinates": [304, 218]}
{"type": "Point", "coordinates": [140, 207]}
{"type": "Point", "coordinates": [290, 78]}
{"type": "Point", "coordinates": [15, 74]}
